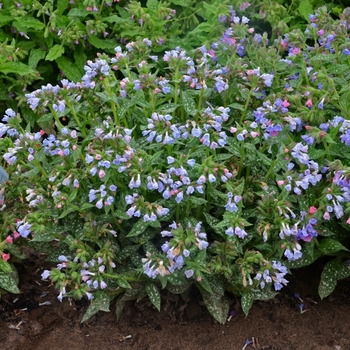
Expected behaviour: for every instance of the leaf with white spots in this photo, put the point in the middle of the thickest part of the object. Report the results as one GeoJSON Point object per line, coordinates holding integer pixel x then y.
{"type": "Point", "coordinates": [259, 294]}
{"type": "Point", "coordinates": [100, 302]}
{"type": "Point", "coordinates": [153, 294]}
{"type": "Point", "coordinates": [329, 278]}
{"type": "Point", "coordinates": [217, 305]}
{"type": "Point", "coordinates": [329, 246]}
{"type": "Point", "coordinates": [344, 270]}
{"type": "Point", "coordinates": [8, 283]}
{"type": "Point", "coordinates": [246, 302]}
{"type": "Point", "coordinates": [189, 104]}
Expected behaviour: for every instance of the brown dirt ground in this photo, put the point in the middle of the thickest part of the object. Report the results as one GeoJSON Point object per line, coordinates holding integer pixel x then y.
{"type": "Point", "coordinates": [275, 325]}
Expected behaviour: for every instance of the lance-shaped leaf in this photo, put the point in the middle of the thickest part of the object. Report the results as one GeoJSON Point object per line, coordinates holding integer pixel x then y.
{"type": "Point", "coordinates": [100, 302]}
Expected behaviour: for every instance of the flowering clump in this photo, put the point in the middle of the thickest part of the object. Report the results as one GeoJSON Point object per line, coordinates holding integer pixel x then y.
{"type": "Point", "coordinates": [221, 168]}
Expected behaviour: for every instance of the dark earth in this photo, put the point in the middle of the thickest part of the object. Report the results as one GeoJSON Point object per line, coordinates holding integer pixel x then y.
{"type": "Point", "coordinates": [275, 325]}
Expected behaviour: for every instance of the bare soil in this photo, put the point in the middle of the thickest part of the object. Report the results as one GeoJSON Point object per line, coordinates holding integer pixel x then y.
{"type": "Point", "coordinates": [275, 325]}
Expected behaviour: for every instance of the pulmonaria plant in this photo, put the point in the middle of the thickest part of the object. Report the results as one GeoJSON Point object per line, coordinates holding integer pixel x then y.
{"type": "Point", "coordinates": [208, 168]}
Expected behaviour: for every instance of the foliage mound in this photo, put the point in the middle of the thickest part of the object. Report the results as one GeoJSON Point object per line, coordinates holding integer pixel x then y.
{"type": "Point", "coordinates": [219, 168]}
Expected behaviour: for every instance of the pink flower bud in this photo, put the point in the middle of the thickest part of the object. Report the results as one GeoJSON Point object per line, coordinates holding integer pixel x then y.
{"type": "Point", "coordinates": [308, 103]}
{"type": "Point", "coordinates": [312, 210]}
{"type": "Point", "coordinates": [101, 174]}
{"type": "Point", "coordinates": [9, 239]}
{"type": "Point", "coordinates": [5, 257]}
{"type": "Point", "coordinates": [280, 182]}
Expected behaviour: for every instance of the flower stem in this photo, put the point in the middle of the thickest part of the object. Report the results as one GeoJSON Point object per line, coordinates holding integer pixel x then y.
{"type": "Point", "coordinates": [57, 119]}
{"type": "Point", "coordinates": [114, 110]}
{"type": "Point", "coordinates": [247, 103]}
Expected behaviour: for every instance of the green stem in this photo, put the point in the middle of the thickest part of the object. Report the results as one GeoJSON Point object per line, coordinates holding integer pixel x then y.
{"type": "Point", "coordinates": [199, 107]}
{"type": "Point", "coordinates": [57, 119]}
{"type": "Point", "coordinates": [273, 166]}
{"type": "Point", "coordinates": [38, 165]}
{"type": "Point", "coordinates": [241, 161]}
{"type": "Point", "coordinates": [327, 148]}
{"type": "Point", "coordinates": [176, 87]}
{"type": "Point", "coordinates": [102, 3]}
{"type": "Point", "coordinates": [153, 99]}
{"type": "Point", "coordinates": [71, 107]}
{"type": "Point", "coordinates": [247, 103]}
{"type": "Point", "coordinates": [127, 278]}
{"type": "Point", "coordinates": [114, 110]}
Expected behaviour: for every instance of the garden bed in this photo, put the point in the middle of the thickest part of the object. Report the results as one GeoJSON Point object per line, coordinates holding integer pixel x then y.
{"type": "Point", "coordinates": [275, 324]}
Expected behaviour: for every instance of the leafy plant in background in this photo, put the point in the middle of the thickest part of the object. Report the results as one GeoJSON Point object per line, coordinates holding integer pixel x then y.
{"type": "Point", "coordinates": [284, 16]}
{"type": "Point", "coordinates": [43, 41]}
{"type": "Point", "coordinates": [219, 168]}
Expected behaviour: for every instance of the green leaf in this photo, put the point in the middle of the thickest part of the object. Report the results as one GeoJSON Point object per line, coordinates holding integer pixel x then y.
{"type": "Point", "coordinates": [330, 245]}
{"type": "Point", "coordinates": [167, 108]}
{"type": "Point", "coordinates": [305, 260]}
{"type": "Point", "coordinates": [177, 278]}
{"type": "Point", "coordinates": [188, 103]}
{"type": "Point", "coordinates": [344, 270]}
{"type": "Point", "coordinates": [258, 294]}
{"type": "Point", "coordinates": [211, 220]}
{"type": "Point", "coordinates": [80, 60]}
{"type": "Point", "coordinates": [316, 153]}
{"type": "Point", "coordinates": [5, 19]}
{"type": "Point", "coordinates": [128, 251]}
{"type": "Point", "coordinates": [197, 201]}
{"type": "Point", "coordinates": [183, 3]}
{"type": "Point", "coordinates": [16, 67]}
{"type": "Point", "coordinates": [35, 56]}
{"type": "Point", "coordinates": [204, 285]}
{"type": "Point", "coordinates": [202, 27]}
{"type": "Point", "coordinates": [78, 13]}
{"type": "Point", "coordinates": [141, 101]}
{"type": "Point", "coordinates": [100, 302]}
{"type": "Point", "coordinates": [14, 250]}
{"type": "Point", "coordinates": [138, 228]}
{"type": "Point", "coordinates": [217, 305]}
{"type": "Point", "coordinates": [329, 278]}
{"type": "Point", "coordinates": [63, 249]}
{"type": "Point", "coordinates": [119, 306]}
{"type": "Point", "coordinates": [85, 207]}
{"type": "Point", "coordinates": [5, 266]}
{"type": "Point", "coordinates": [55, 52]}
{"type": "Point", "coordinates": [152, 5]}
{"type": "Point", "coordinates": [123, 283]}
{"type": "Point", "coordinates": [107, 45]}
{"type": "Point", "coordinates": [246, 302]}
{"type": "Point", "coordinates": [115, 19]}
{"type": "Point", "coordinates": [178, 289]}
{"type": "Point", "coordinates": [305, 8]}
{"type": "Point", "coordinates": [70, 70]}
{"type": "Point", "coordinates": [237, 106]}
{"type": "Point", "coordinates": [153, 294]}
{"type": "Point", "coordinates": [48, 236]}
{"type": "Point", "coordinates": [25, 23]}
{"type": "Point", "coordinates": [322, 58]}
{"type": "Point", "coordinates": [62, 5]}
{"type": "Point", "coordinates": [8, 283]}
{"type": "Point", "coordinates": [222, 156]}
{"type": "Point", "coordinates": [337, 68]}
